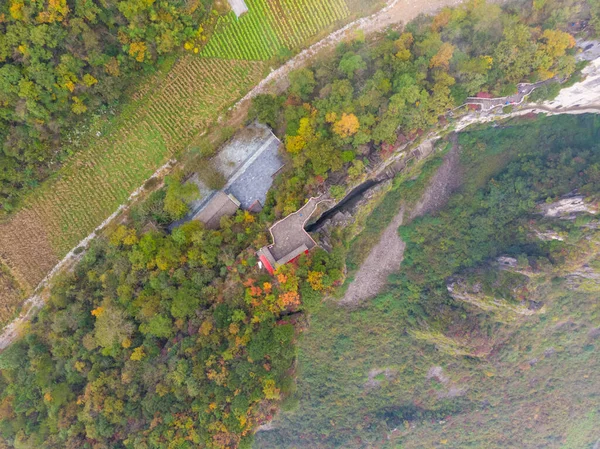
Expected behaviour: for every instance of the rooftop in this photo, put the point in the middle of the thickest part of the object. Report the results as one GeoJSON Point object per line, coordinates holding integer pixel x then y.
{"type": "Point", "coordinates": [249, 163]}
{"type": "Point", "coordinates": [238, 6]}
{"type": "Point", "coordinates": [289, 234]}
{"type": "Point", "coordinates": [290, 240]}
{"type": "Point", "coordinates": [253, 180]}
{"type": "Point", "coordinates": [218, 206]}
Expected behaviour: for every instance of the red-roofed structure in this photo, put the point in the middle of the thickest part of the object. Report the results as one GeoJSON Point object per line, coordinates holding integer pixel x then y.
{"type": "Point", "coordinates": [290, 240]}
{"type": "Point", "coordinates": [265, 262]}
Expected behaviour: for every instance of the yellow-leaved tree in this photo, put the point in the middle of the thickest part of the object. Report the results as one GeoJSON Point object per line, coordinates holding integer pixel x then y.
{"type": "Point", "coordinates": [442, 57]}
{"type": "Point", "coordinates": [346, 126]}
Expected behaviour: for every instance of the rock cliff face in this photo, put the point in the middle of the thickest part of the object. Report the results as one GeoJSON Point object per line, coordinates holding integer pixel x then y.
{"type": "Point", "coordinates": [494, 289]}
{"type": "Point", "coordinates": [508, 287]}
{"type": "Point", "coordinates": [585, 278]}
{"type": "Point", "coordinates": [586, 92]}
{"type": "Point", "coordinates": [568, 208]}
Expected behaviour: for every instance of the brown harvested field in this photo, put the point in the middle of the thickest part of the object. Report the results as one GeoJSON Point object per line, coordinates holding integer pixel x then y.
{"type": "Point", "coordinates": [24, 243]}
{"type": "Point", "coordinates": [11, 296]}
{"type": "Point", "coordinates": [98, 179]}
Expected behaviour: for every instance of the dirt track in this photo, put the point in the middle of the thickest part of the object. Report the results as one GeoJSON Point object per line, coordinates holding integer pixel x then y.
{"type": "Point", "coordinates": [383, 260]}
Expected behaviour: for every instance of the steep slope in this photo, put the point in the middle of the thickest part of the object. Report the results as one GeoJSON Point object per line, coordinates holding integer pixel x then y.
{"type": "Point", "coordinates": [486, 337]}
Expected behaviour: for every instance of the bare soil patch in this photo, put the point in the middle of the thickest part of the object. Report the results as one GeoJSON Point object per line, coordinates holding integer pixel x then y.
{"type": "Point", "coordinates": [445, 181]}
{"type": "Point", "coordinates": [383, 260]}
{"type": "Point", "coordinates": [26, 247]}
{"type": "Point", "coordinates": [405, 11]}
{"type": "Point", "coordinates": [10, 295]}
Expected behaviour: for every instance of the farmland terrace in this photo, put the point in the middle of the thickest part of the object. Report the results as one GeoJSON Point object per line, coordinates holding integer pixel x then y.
{"type": "Point", "coordinates": [164, 117]}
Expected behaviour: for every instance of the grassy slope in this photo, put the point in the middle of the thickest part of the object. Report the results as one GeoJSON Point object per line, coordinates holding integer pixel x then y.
{"type": "Point", "coordinates": [162, 119]}
{"type": "Point", "coordinates": [538, 388]}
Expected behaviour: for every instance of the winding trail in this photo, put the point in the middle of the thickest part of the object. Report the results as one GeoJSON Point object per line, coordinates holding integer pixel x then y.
{"type": "Point", "coordinates": [523, 91]}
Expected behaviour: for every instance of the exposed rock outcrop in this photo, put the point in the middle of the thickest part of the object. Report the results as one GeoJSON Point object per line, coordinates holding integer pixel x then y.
{"type": "Point", "coordinates": [567, 208]}
{"type": "Point", "coordinates": [585, 278]}
{"type": "Point", "coordinates": [504, 309]}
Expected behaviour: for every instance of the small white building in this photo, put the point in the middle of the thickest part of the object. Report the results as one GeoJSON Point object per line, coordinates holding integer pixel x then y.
{"type": "Point", "coordinates": [238, 6]}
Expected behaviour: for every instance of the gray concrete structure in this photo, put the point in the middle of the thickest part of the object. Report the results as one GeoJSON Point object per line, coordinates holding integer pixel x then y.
{"type": "Point", "coordinates": [252, 182]}
{"type": "Point", "coordinates": [249, 162]}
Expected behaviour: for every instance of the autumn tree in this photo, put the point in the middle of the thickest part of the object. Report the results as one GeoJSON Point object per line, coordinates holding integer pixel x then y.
{"type": "Point", "coordinates": [302, 83]}
{"type": "Point", "coordinates": [346, 126]}
{"type": "Point", "coordinates": [178, 194]}
{"type": "Point", "coordinates": [351, 63]}
{"type": "Point", "coordinates": [442, 57]}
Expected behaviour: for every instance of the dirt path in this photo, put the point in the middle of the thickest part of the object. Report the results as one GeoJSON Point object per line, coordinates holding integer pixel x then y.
{"type": "Point", "coordinates": [387, 255]}
{"type": "Point", "coordinates": [404, 11]}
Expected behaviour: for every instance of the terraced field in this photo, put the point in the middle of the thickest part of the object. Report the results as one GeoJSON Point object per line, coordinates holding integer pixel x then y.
{"type": "Point", "coordinates": [162, 118]}
{"type": "Point", "coordinates": [10, 293]}
{"type": "Point", "coordinates": [271, 25]}
{"type": "Point", "coordinates": [95, 182]}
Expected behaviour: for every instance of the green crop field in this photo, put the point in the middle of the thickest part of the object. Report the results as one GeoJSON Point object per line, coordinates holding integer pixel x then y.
{"type": "Point", "coordinates": [270, 26]}
{"type": "Point", "coordinates": [161, 119]}
{"type": "Point", "coordinates": [98, 179]}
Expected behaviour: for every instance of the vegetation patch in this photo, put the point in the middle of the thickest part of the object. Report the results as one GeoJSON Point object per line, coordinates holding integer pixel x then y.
{"type": "Point", "coordinates": [96, 181]}
{"type": "Point", "coordinates": [417, 326]}
{"type": "Point", "coordinates": [10, 295]}
{"type": "Point", "coordinates": [272, 26]}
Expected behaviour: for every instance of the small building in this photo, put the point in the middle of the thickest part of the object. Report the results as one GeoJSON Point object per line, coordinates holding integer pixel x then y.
{"type": "Point", "coordinates": [290, 240]}
{"type": "Point", "coordinates": [249, 162]}
{"type": "Point", "coordinates": [267, 259]}
{"type": "Point", "coordinates": [219, 205]}
{"type": "Point", "coordinates": [239, 7]}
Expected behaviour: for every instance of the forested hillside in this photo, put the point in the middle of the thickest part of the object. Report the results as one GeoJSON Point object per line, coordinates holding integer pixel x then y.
{"type": "Point", "coordinates": [176, 339]}
{"type": "Point", "coordinates": [372, 96]}
{"type": "Point", "coordinates": [461, 350]}
{"type": "Point", "coordinates": [160, 341]}
{"type": "Point", "coordinates": [61, 59]}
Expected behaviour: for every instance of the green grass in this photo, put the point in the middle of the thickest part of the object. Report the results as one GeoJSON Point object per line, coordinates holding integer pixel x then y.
{"type": "Point", "coordinates": [270, 26]}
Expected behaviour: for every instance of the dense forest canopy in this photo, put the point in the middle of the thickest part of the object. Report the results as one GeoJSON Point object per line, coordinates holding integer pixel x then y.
{"type": "Point", "coordinates": [372, 96]}
{"type": "Point", "coordinates": [61, 59]}
{"type": "Point", "coordinates": [160, 341]}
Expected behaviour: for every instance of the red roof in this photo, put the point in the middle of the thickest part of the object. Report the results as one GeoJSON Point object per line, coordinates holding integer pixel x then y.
{"type": "Point", "coordinates": [484, 95]}
{"type": "Point", "coordinates": [295, 259]}
{"type": "Point", "coordinates": [267, 265]}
